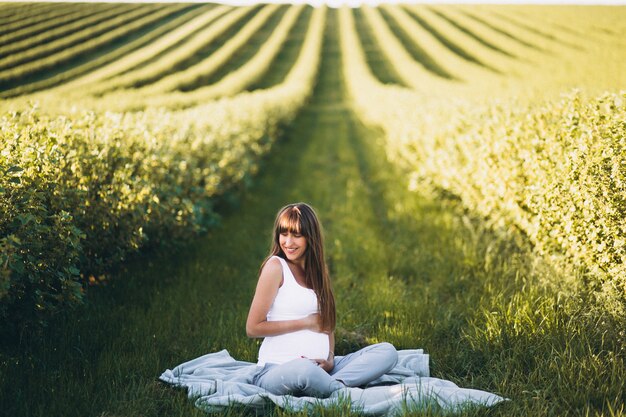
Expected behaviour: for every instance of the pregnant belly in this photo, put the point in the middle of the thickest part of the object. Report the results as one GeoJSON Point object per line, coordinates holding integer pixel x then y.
{"type": "Point", "coordinates": [286, 347]}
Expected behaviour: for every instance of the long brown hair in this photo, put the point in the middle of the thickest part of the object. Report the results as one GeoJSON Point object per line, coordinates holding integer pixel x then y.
{"type": "Point", "coordinates": [300, 218]}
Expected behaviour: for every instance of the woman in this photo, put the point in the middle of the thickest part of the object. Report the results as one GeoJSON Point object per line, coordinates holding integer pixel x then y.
{"type": "Point", "coordinates": [293, 309]}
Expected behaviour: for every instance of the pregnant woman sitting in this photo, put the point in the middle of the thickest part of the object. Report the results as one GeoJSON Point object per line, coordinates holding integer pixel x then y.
{"type": "Point", "coordinates": [293, 309]}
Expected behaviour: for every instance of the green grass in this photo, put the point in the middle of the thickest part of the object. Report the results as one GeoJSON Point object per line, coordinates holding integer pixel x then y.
{"type": "Point", "coordinates": [407, 268]}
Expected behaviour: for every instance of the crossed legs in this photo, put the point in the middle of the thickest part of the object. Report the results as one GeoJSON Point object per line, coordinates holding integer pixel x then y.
{"type": "Point", "coordinates": [304, 377]}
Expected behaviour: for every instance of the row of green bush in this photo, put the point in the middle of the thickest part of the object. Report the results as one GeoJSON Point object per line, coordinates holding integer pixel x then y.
{"type": "Point", "coordinates": [556, 171]}
{"type": "Point", "coordinates": [78, 195]}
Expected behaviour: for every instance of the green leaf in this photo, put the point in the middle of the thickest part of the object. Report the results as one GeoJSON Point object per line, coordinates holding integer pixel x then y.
{"type": "Point", "coordinates": [14, 168]}
{"type": "Point", "coordinates": [26, 218]}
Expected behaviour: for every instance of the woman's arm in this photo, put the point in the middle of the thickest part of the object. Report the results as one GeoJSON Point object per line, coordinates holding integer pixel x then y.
{"type": "Point", "coordinates": [257, 325]}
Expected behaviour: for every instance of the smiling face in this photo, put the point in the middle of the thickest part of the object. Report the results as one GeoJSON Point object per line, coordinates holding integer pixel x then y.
{"type": "Point", "coordinates": [293, 245]}
{"type": "Point", "coordinates": [292, 232]}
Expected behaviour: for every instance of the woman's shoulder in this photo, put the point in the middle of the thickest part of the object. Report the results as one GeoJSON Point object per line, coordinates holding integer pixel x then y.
{"type": "Point", "coordinates": [273, 268]}
{"type": "Point", "coordinates": [273, 264]}
{"type": "Point", "coordinates": [275, 259]}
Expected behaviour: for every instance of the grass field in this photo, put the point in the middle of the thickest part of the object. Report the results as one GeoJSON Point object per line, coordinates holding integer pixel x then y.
{"type": "Point", "coordinates": [410, 266]}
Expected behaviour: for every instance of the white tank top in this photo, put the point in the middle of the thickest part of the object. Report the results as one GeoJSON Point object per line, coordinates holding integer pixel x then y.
{"type": "Point", "coordinates": [293, 302]}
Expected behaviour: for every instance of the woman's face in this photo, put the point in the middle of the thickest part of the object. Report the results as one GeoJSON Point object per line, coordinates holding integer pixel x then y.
{"type": "Point", "coordinates": [293, 245]}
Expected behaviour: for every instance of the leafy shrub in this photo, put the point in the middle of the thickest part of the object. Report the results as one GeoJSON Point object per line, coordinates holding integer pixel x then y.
{"type": "Point", "coordinates": [77, 197]}
{"type": "Point", "coordinates": [556, 171]}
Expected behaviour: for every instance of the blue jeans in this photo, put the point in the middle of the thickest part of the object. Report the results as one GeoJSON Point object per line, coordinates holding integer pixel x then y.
{"type": "Point", "coordinates": [305, 377]}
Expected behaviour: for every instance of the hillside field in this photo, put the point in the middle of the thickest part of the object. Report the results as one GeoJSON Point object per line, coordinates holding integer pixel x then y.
{"type": "Point", "coordinates": [468, 163]}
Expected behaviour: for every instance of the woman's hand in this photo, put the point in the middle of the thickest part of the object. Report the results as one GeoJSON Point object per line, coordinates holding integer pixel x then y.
{"type": "Point", "coordinates": [326, 365]}
{"type": "Point", "coordinates": [329, 363]}
{"type": "Point", "coordinates": [313, 322]}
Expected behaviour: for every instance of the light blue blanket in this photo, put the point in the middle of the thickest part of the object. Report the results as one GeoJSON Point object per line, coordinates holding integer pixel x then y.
{"type": "Point", "coordinates": [217, 381]}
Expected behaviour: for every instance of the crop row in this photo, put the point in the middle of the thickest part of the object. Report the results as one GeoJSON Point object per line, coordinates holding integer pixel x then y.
{"type": "Point", "coordinates": [36, 48]}
{"type": "Point", "coordinates": [205, 68]}
{"type": "Point", "coordinates": [284, 60]}
{"type": "Point", "coordinates": [16, 67]}
{"type": "Point", "coordinates": [472, 52]}
{"type": "Point", "coordinates": [232, 83]}
{"type": "Point", "coordinates": [555, 170]}
{"type": "Point", "coordinates": [247, 68]}
{"type": "Point", "coordinates": [55, 31]}
{"type": "Point", "coordinates": [92, 69]}
{"type": "Point", "coordinates": [187, 33]}
{"type": "Point", "coordinates": [174, 57]}
{"type": "Point", "coordinates": [26, 16]}
{"type": "Point", "coordinates": [480, 49]}
{"type": "Point", "coordinates": [36, 30]}
{"type": "Point", "coordinates": [82, 191]}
